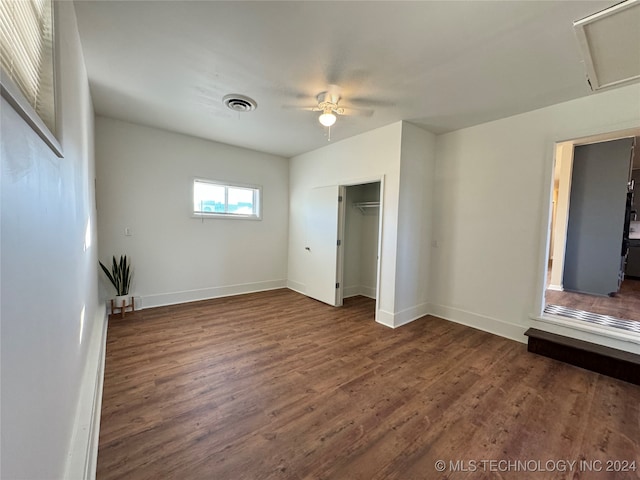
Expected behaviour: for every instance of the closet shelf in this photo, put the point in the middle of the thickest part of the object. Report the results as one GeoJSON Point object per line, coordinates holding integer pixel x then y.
{"type": "Point", "coordinates": [363, 206]}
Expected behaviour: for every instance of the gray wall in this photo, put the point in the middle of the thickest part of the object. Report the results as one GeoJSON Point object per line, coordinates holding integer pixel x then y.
{"type": "Point", "coordinates": [597, 206]}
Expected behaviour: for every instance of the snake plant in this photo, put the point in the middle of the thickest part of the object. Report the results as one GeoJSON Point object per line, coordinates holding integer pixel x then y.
{"type": "Point", "coordinates": [120, 275]}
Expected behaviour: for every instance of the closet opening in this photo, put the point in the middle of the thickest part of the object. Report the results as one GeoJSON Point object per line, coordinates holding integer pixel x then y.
{"type": "Point", "coordinates": [360, 224]}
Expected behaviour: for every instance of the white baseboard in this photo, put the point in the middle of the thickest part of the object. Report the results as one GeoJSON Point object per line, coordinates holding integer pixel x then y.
{"type": "Point", "coordinates": [353, 291]}
{"type": "Point", "coordinates": [369, 292]}
{"type": "Point", "coordinates": [456, 315]}
{"type": "Point", "coordinates": [410, 314]}
{"type": "Point", "coordinates": [296, 287]}
{"type": "Point", "coordinates": [384, 318]}
{"type": "Point", "coordinates": [395, 320]}
{"type": "Point", "coordinates": [480, 322]}
{"type": "Point", "coordinates": [83, 451]}
{"type": "Point", "coordinates": [163, 299]}
{"type": "Point", "coordinates": [555, 288]}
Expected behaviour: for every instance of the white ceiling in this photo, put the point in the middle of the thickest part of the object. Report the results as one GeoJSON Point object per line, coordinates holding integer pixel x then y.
{"type": "Point", "coordinates": [440, 65]}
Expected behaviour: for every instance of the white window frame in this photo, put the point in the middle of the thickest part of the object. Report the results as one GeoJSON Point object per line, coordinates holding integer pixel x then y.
{"type": "Point", "coordinates": [13, 95]}
{"type": "Point", "coordinates": [257, 198]}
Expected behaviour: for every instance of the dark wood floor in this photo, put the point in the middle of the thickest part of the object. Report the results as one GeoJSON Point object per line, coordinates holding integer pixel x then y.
{"type": "Point", "coordinates": [625, 304]}
{"type": "Point", "coordinates": [275, 385]}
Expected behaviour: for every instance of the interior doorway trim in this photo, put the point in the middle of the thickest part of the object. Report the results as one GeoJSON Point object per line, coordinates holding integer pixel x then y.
{"type": "Point", "coordinates": [539, 314]}
{"type": "Point", "coordinates": [340, 268]}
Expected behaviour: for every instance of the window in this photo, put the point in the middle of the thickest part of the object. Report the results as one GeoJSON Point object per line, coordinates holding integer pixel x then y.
{"type": "Point", "coordinates": [26, 61]}
{"type": "Point", "coordinates": [219, 199]}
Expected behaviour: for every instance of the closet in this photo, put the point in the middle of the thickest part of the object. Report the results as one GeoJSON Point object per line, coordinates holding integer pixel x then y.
{"type": "Point", "coordinates": [361, 231]}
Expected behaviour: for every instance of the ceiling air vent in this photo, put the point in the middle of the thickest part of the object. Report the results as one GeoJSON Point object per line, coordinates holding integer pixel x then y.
{"type": "Point", "coordinates": [239, 103]}
{"type": "Point", "coordinates": [610, 44]}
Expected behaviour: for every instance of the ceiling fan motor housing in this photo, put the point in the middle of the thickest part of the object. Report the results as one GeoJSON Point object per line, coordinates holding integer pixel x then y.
{"type": "Point", "coordinates": [328, 103]}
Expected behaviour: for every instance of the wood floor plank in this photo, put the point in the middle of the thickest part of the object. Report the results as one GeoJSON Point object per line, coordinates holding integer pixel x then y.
{"type": "Point", "coordinates": [274, 385]}
{"type": "Point", "coordinates": [625, 304]}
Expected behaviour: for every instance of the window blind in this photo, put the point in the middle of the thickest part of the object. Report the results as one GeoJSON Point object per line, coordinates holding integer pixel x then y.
{"type": "Point", "coordinates": [26, 53]}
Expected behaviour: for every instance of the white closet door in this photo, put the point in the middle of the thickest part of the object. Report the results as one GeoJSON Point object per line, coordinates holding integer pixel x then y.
{"type": "Point", "coordinates": [321, 249]}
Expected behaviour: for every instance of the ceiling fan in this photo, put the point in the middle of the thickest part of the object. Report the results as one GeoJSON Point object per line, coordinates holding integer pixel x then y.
{"type": "Point", "coordinates": [328, 104]}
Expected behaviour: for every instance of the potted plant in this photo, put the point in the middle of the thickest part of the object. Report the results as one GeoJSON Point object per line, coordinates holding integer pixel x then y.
{"type": "Point", "coordinates": [120, 278]}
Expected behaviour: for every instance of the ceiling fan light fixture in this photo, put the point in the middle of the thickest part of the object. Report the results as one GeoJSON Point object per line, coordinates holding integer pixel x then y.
{"type": "Point", "coordinates": [327, 119]}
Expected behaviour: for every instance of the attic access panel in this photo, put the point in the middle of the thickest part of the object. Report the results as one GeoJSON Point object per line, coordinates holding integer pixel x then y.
{"type": "Point", "coordinates": [610, 44]}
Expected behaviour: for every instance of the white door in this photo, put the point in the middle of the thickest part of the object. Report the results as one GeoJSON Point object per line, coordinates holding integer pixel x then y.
{"type": "Point", "coordinates": [321, 249]}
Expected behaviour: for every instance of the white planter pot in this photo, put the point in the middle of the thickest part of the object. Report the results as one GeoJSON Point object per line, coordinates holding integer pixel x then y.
{"type": "Point", "coordinates": [119, 299]}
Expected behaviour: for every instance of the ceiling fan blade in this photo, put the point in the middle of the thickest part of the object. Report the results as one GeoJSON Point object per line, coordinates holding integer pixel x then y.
{"type": "Point", "coordinates": [355, 112]}
{"type": "Point", "coordinates": [313, 108]}
{"type": "Point", "coordinates": [372, 102]}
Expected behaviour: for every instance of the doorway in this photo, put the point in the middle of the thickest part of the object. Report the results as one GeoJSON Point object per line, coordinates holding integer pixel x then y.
{"type": "Point", "coordinates": [343, 246]}
{"type": "Point", "coordinates": [361, 230]}
{"type": "Point", "coordinates": [588, 275]}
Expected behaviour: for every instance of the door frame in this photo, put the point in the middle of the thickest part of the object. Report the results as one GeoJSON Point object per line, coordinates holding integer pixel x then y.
{"type": "Point", "coordinates": [554, 322]}
{"type": "Point", "coordinates": [341, 229]}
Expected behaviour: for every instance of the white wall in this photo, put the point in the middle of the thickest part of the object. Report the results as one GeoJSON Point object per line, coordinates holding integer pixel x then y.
{"type": "Point", "coordinates": [144, 178]}
{"type": "Point", "coordinates": [352, 244]}
{"type": "Point", "coordinates": [50, 315]}
{"type": "Point", "coordinates": [360, 159]}
{"type": "Point", "coordinates": [404, 155]}
{"type": "Point", "coordinates": [370, 229]}
{"type": "Point", "coordinates": [415, 223]}
{"type": "Point", "coordinates": [361, 241]}
{"type": "Point", "coordinates": [492, 205]}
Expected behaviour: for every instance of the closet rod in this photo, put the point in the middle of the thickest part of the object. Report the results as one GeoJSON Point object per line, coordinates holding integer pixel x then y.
{"type": "Point", "coordinates": [364, 205]}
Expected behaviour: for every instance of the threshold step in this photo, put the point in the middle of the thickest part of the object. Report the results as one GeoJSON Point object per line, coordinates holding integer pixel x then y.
{"type": "Point", "coordinates": [597, 358]}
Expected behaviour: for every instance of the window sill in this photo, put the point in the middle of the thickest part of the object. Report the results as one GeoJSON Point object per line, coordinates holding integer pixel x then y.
{"type": "Point", "coordinates": [14, 97]}
{"type": "Point", "coordinates": [224, 216]}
